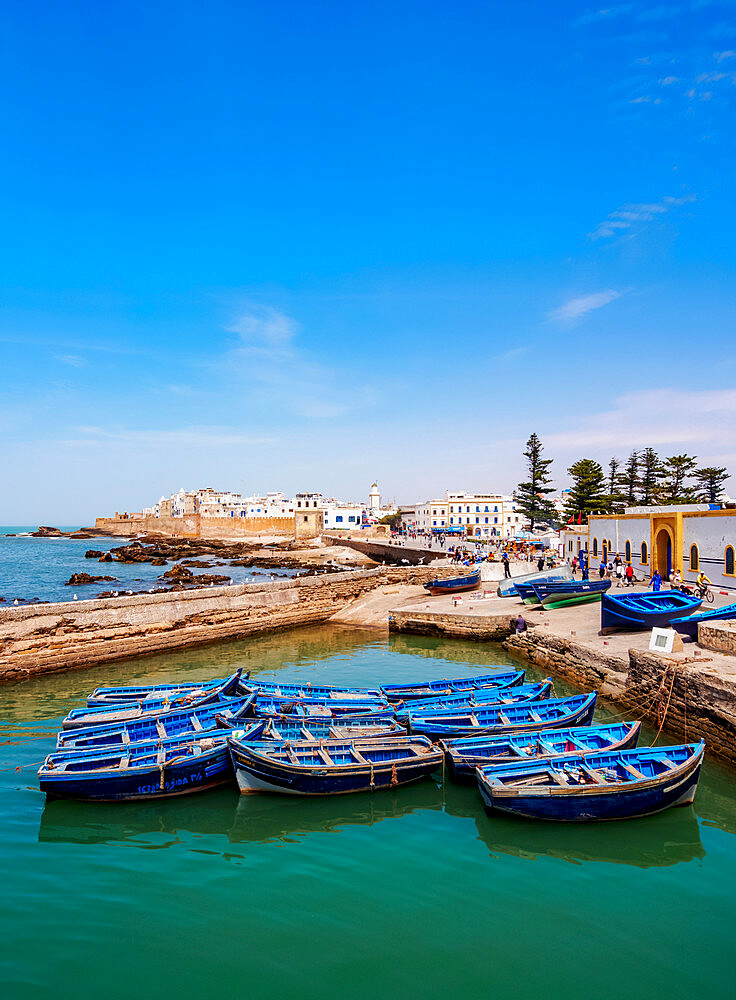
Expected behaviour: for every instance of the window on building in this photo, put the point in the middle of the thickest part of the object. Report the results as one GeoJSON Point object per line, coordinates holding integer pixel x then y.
{"type": "Point", "coordinates": [477, 520]}
{"type": "Point", "coordinates": [495, 520]}
{"type": "Point", "coordinates": [477, 508]}
{"type": "Point", "coordinates": [729, 560]}
{"type": "Point", "coordinates": [486, 520]}
{"type": "Point", "coordinates": [644, 553]}
{"type": "Point", "coordinates": [627, 552]}
{"type": "Point", "coordinates": [486, 508]}
{"type": "Point", "coordinates": [351, 519]}
{"type": "Point", "coordinates": [338, 517]}
{"type": "Point", "coordinates": [595, 547]}
{"type": "Point", "coordinates": [495, 510]}
{"type": "Point", "coordinates": [694, 558]}
{"type": "Point", "coordinates": [452, 518]}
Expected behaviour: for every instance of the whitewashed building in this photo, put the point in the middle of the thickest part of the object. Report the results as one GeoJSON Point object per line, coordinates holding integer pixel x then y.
{"type": "Point", "coordinates": [688, 538]}
{"type": "Point", "coordinates": [479, 515]}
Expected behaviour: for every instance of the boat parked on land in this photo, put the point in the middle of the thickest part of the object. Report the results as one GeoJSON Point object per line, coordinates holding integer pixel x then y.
{"type": "Point", "coordinates": [507, 587]}
{"type": "Point", "coordinates": [689, 626]}
{"type": "Point", "coordinates": [456, 585]}
{"type": "Point", "coordinates": [142, 770]}
{"type": "Point", "coordinates": [464, 755]}
{"type": "Point", "coordinates": [226, 687]}
{"type": "Point", "coordinates": [560, 594]}
{"type": "Point", "coordinates": [480, 696]}
{"type": "Point", "coordinates": [621, 785]}
{"type": "Point", "coordinates": [435, 689]}
{"type": "Point", "coordinates": [526, 716]}
{"type": "Point", "coordinates": [637, 612]}
{"type": "Point", "coordinates": [333, 767]}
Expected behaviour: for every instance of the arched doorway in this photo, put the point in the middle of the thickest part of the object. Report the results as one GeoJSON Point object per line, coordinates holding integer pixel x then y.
{"type": "Point", "coordinates": [663, 542]}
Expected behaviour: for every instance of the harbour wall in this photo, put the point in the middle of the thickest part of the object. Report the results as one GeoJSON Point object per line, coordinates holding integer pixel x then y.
{"type": "Point", "coordinates": [196, 526]}
{"type": "Point", "coordinates": [47, 638]}
{"type": "Point", "coordinates": [687, 694]}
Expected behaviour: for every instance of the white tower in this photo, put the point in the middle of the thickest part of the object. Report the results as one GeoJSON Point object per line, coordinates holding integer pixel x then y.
{"type": "Point", "coordinates": [374, 499]}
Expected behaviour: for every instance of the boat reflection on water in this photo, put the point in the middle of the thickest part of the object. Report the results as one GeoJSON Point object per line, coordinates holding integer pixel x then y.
{"type": "Point", "coordinates": [650, 842]}
{"type": "Point", "coordinates": [222, 811]}
{"type": "Point", "coordinates": [264, 818]}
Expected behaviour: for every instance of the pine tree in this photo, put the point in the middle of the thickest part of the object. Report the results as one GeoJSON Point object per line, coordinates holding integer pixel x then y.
{"type": "Point", "coordinates": [531, 496]}
{"type": "Point", "coordinates": [709, 484]}
{"type": "Point", "coordinates": [629, 483]}
{"type": "Point", "coordinates": [650, 477]}
{"type": "Point", "coordinates": [588, 492]}
{"type": "Point", "coordinates": [614, 498]}
{"type": "Point", "coordinates": [677, 470]}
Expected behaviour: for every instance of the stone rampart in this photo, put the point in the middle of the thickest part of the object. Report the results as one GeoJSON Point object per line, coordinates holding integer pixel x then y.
{"type": "Point", "coordinates": [196, 526]}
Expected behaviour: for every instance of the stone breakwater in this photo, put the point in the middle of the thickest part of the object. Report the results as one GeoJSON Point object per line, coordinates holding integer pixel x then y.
{"type": "Point", "coordinates": [693, 694]}
{"type": "Point", "coordinates": [45, 638]}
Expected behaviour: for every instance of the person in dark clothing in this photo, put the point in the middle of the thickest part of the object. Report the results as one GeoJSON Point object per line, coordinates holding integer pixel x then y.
{"type": "Point", "coordinates": [540, 563]}
{"type": "Point", "coordinates": [520, 624]}
{"type": "Point", "coordinates": [506, 565]}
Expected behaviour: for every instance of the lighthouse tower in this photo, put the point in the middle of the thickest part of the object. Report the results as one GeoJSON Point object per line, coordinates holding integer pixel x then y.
{"type": "Point", "coordinates": [374, 500]}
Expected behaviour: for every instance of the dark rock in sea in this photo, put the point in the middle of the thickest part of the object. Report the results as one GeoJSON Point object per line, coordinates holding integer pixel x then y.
{"type": "Point", "coordinates": [79, 534]}
{"type": "Point", "coordinates": [178, 573]}
{"type": "Point", "coordinates": [198, 563]}
{"type": "Point", "coordinates": [105, 558]}
{"type": "Point", "coordinates": [44, 532]}
{"type": "Point", "coordinates": [211, 578]}
{"type": "Point", "coordinates": [93, 553]}
{"type": "Point", "coordinates": [82, 579]}
{"type": "Point", "coordinates": [159, 562]}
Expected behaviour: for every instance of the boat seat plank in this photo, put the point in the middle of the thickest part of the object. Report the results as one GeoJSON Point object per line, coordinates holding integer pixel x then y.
{"type": "Point", "coordinates": [536, 717]}
{"type": "Point", "coordinates": [326, 757]}
{"type": "Point", "coordinates": [593, 775]}
{"type": "Point", "coordinates": [503, 717]}
{"type": "Point", "coordinates": [559, 776]}
{"type": "Point", "coordinates": [359, 756]}
{"type": "Point", "coordinates": [196, 724]}
{"type": "Point", "coordinates": [632, 770]}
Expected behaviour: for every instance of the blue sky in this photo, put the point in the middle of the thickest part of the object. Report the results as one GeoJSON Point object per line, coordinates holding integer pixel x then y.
{"type": "Point", "coordinates": [302, 246]}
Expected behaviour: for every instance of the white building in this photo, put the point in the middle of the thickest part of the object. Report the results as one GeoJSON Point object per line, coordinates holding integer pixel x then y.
{"type": "Point", "coordinates": [688, 538]}
{"type": "Point", "coordinates": [479, 515]}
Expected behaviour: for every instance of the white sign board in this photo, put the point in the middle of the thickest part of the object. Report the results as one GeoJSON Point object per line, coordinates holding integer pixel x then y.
{"type": "Point", "coordinates": [665, 640]}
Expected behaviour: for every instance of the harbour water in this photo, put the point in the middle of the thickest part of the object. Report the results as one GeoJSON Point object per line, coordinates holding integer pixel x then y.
{"type": "Point", "coordinates": [37, 568]}
{"type": "Point", "coordinates": [413, 893]}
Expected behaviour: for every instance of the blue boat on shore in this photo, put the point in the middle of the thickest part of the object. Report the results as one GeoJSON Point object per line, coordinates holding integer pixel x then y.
{"type": "Point", "coordinates": [177, 722]}
{"type": "Point", "coordinates": [464, 755]}
{"type": "Point", "coordinates": [435, 689]}
{"type": "Point", "coordinates": [480, 696]}
{"type": "Point", "coordinates": [526, 716]}
{"type": "Point", "coordinates": [561, 593]}
{"type": "Point", "coordinates": [641, 611]}
{"type": "Point", "coordinates": [455, 585]}
{"type": "Point", "coordinates": [150, 770]}
{"type": "Point", "coordinates": [333, 767]}
{"type": "Point", "coordinates": [689, 626]}
{"type": "Point", "coordinates": [129, 711]}
{"type": "Point", "coordinates": [194, 690]}
{"type": "Point", "coordinates": [507, 587]}
{"type": "Point", "coordinates": [624, 784]}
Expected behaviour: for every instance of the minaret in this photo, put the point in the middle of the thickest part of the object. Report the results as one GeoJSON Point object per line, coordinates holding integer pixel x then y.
{"type": "Point", "coordinates": [374, 499]}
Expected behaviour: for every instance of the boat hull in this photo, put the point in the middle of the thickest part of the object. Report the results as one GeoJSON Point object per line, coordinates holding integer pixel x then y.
{"type": "Point", "coordinates": [479, 697]}
{"type": "Point", "coordinates": [507, 587]}
{"type": "Point", "coordinates": [641, 612]}
{"type": "Point", "coordinates": [457, 585]}
{"type": "Point", "coordinates": [445, 727]}
{"type": "Point", "coordinates": [689, 626]}
{"type": "Point", "coordinates": [396, 693]}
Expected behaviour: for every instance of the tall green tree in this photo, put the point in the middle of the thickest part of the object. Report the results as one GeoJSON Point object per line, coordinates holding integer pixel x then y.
{"type": "Point", "coordinates": [629, 482]}
{"type": "Point", "coordinates": [677, 470]}
{"type": "Point", "coordinates": [532, 496]}
{"type": "Point", "coordinates": [709, 483]}
{"type": "Point", "coordinates": [588, 492]}
{"type": "Point", "coordinates": [614, 497]}
{"type": "Point", "coordinates": [650, 477]}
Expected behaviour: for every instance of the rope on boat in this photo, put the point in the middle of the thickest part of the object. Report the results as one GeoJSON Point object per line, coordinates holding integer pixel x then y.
{"type": "Point", "coordinates": [666, 708]}
{"type": "Point", "coordinates": [372, 781]}
{"type": "Point", "coordinates": [394, 776]}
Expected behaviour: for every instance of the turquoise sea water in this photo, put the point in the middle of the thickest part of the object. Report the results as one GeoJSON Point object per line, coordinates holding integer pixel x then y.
{"type": "Point", "coordinates": [413, 893]}
{"type": "Point", "coordinates": [38, 568]}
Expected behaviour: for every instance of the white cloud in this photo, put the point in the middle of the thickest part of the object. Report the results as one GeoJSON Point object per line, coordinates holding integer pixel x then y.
{"type": "Point", "coordinates": [667, 81]}
{"type": "Point", "coordinates": [262, 324]}
{"type": "Point", "coordinates": [634, 214]}
{"type": "Point", "coordinates": [73, 360]}
{"type": "Point", "coordinates": [193, 437]}
{"type": "Point", "coordinates": [728, 54]}
{"type": "Point", "coordinates": [576, 308]}
{"type": "Point", "coordinates": [672, 418]}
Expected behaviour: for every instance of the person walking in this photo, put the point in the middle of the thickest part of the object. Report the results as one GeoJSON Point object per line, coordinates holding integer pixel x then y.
{"type": "Point", "coordinates": [540, 563]}
{"type": "Point", "coordinates": [602, 569]}
{"type": "Point", "coordinates": [629, 574]}
{"type": "Point", "coordinates": [619, 574]}
{"type": "Point", "coordinates": [656, 581]}
{"type": "Point", "coordinates": [506, 566]}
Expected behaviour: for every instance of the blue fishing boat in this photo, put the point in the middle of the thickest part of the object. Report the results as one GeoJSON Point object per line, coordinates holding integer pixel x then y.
{"type": "Point", "coordinates": [455, 585]}
{"type": "Point", "coordinates": [561, 593]}
{"type": "Point", "coordinates": [525, 716]}
{"type": "Point", "coordinates": [435, 689]}
{"type": "Point", "coordinates": [609, 785]}
{"type": "Point", "coordinates": [178, 722]}
{"type": "Point", "coordinates": [353, 727]}
{"type": "Point", "coordinates": [226, 687]}
{"type": "Point", "coordinates": [507, 587]}
{"type": "Point", "coordinates": [272, 705]}
{"type": "Point", "coordinates": [127, 711]}
{"type": "Point", "coordinates": [464, 755]}
{"type": "Point", "coordinates": [178, 766]}
{"type": "Point", "coordinates": [637, 612]}
{"type": "Point", "coordinates": [304, 689]}
{"type": "Point", "coordinates": [480, 696]}
{"type": "Point", "coordinates": [689, 626]}
{"type": "Point", "coordinates": [333, 767]}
